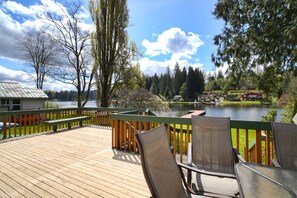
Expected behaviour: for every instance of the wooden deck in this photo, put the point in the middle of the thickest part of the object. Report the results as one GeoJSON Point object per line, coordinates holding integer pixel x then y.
{"type": "Point", "coordinates": [73, 163]}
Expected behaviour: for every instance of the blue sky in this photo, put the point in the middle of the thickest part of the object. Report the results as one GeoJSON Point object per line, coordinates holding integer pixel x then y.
{"type": "Point", "coordinates": [166, 31]}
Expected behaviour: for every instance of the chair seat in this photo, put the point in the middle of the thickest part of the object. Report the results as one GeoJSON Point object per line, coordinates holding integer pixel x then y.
{"type": "Point", "coordinates": [226, 187]}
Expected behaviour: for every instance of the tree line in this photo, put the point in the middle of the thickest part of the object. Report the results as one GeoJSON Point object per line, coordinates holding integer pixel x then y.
{"type": "Point", "coordinates": [67, 95]}
{"type": "Point", "coordinates": [187, 83]}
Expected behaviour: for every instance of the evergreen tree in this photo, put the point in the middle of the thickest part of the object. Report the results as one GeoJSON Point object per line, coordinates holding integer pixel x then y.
{"type": "Point", "coordinates": [168, 83]}
{"type": "Point", "coordinates": [155, 85]}
{"type": "Point", "coordinates": [184, 75]}
{"type": "Point", "coordinates": [154, 89]}
{"type": "Point", "coordinates": [162, 84]}
{"type": "Point", "coordinates": [177, 80]}
{"type": "Point", "coordinates": [148, 83]}
{"type": "Point", "coordinates": [190, 82]}
{"type": "Point", "coordinates": [199, 81]}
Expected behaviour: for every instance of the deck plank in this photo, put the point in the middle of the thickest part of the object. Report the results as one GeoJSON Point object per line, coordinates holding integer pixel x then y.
{"type": "Point", "coordinates": [73, 163]}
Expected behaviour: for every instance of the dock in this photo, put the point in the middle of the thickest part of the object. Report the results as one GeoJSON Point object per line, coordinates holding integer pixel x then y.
{"type": "Point", "coordinates": [194, 112]}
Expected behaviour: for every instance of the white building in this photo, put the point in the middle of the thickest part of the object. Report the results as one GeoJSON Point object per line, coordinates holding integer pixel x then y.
{"type": "Point", "coordinates": [14, 97]}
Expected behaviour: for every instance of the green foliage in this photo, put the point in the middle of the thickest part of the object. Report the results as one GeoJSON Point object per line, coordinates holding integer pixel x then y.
{"type": "Point", "coordinates": [257, 33]}
{"type": "Point", "coordinates": [111, 50]}
{"type": "Point", "coordinates": [154, 89]}
{"type": "Point", "coordinates": [290, 86]}
{"type": "Point", "coordinates": [270, 117]}
{"type": "Point", "coordinates": [289, 111]}
{"type": "Point", "coordinates": [51, 105]}
{"type": "Point", "coordinates": [140, 98]}
{"type": "Point", "coordinates": [184, 92]}
{"type": "Point", "coordinates": [170, 85]}
{"type": "Point", "coordinates": [178, 79]}
{"type": "Point", "coordinates": [190, 83]}
{"type": "Point", "coordinates": [133, 77]}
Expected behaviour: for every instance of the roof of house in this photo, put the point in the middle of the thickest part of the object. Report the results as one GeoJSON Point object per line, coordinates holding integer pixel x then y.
{"type": "Point", "coordinates": [15, 90]}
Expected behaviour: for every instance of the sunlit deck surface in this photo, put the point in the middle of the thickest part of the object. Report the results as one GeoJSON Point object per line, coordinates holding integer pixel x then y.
{"type": "Point", "coordinates": [73, 163]}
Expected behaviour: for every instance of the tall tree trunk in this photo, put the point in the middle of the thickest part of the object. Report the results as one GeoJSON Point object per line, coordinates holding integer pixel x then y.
{"type": "Point", "coordinates": [104, 101]}
{"type": "Point", "coordinates": [104, 97]}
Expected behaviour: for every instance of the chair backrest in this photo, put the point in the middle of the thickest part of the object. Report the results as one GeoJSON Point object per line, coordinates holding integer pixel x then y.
{"type": "Point", "coordinates": [285, 144]}
{"type": "Point", "coordinates": [212, 145]}
{"type": "Point", "coordinates": [159, 167]}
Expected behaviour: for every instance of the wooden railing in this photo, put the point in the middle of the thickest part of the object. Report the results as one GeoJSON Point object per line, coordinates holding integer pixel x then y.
{"type": "Point", "coordinates": [22, 123]}
{"type": "Point", "coordinates": [252, 139]}
{"type": "Point", "coordinates": [244, 134]}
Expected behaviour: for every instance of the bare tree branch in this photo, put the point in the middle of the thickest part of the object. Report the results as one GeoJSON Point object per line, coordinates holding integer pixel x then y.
{"type": "Point", "coordinates": [39, 52]}
{"type": "Point", "coordinates": [76, 68]}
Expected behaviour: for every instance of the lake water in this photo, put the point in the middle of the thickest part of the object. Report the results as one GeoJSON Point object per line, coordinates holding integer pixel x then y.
{"type": "Point", "coordinates": [235, 112]}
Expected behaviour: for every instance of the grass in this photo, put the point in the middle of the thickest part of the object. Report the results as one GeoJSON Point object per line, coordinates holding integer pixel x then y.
{"type": "Point", "coordinates": [225, 102]}
{"type": "Point", "coordinates": [20, 130]}
{"type": "Point", "coordinates": [171, 102]}
{"type": "Point", "coordinates": [242, 139]}
{"type": "Point", "coordinates": [251, 138]}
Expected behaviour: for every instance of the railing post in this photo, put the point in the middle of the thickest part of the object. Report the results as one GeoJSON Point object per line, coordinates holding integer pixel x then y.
{"type": "Point", "coordinates": [174, 141]}
{"type": "Point", "coordinates": [125, 136]}
{"type": "Point", "coordinates": [246, 153]}
{"type": "Point", "coordinates": [258, 147]}
{"type": "Point", "coordinates": [134, 138]}
{"type": "Point", "coordinates": [4, 127]}
{"type": "Point", "coordinates": [237, 138]}
{"type": "Point", "coordinates": [181, 143]}
{"type": "Point", "coordinates": [267, 148]}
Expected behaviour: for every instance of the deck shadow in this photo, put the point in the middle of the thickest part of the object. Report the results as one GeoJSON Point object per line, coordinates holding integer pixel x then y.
{"type": "Point", "coordinates": [126, 157]}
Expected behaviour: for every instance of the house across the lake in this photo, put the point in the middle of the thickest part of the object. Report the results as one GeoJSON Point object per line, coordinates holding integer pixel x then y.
{"type": "Point", "coordinates": [251, 96]}
{"type": "Point", "coordinates": [15, 97]}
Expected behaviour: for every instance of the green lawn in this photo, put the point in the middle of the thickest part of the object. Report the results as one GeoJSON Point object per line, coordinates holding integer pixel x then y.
{"type": "Point", "coordinates": [251, 137]}
{"type": "Point", "coordinates": [225, 102]}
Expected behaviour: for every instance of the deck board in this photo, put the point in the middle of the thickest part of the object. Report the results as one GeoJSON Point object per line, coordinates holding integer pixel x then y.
{"type": "Point", "coordinates": [73, 163]}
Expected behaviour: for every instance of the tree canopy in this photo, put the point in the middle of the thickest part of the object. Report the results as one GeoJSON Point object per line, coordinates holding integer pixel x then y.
{"type": "Point", "coordinates": [188, 84]}
{"type": "Point", "coordinates": [257, 34]}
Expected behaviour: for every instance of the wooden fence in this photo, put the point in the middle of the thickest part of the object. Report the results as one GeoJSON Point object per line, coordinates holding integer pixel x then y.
{"type": "Point", "coordinates": [252, 139]}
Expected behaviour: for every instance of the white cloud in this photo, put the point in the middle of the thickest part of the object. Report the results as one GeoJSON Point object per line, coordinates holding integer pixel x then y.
{"type": "Point", "coordinates": [150, 67]}
{"type": "Point", "coordinates": [9, 32]}
{"type": "Point", "coordinates": [8, 75]}
{"type": "Point", "coordinates": [19, 76]}
{"type": "Point", "coordinates": [18, 8]}
{"type": "Point", "coordinates": [175, 42]}
{"type": "Point", "coordinates": [15, 19]}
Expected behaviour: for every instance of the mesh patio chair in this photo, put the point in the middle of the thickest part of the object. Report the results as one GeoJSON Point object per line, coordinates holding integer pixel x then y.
{"type": "Point", "coordinates": [285, 141]}
{"type": "Point", "coordinates": [214, 156]}
{"type": "Point", "coordinates": [256, 180]}
{"type": "Point", "coordinates": [163, 175]}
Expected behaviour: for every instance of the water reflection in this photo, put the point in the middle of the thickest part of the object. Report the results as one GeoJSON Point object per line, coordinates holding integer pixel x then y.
{"type": "Point", "coordinates": [235, 112]}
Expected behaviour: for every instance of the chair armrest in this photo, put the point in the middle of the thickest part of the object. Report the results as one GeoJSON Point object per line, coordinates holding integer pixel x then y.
{"type": "Point", "coordinates": [275, 163]}
{"type": "Point", "coordinates": [186, 183]}
{"type": "Point", "coordinates": [238, 157]}
{"type": "Point", "coordinates": [192, 168]}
